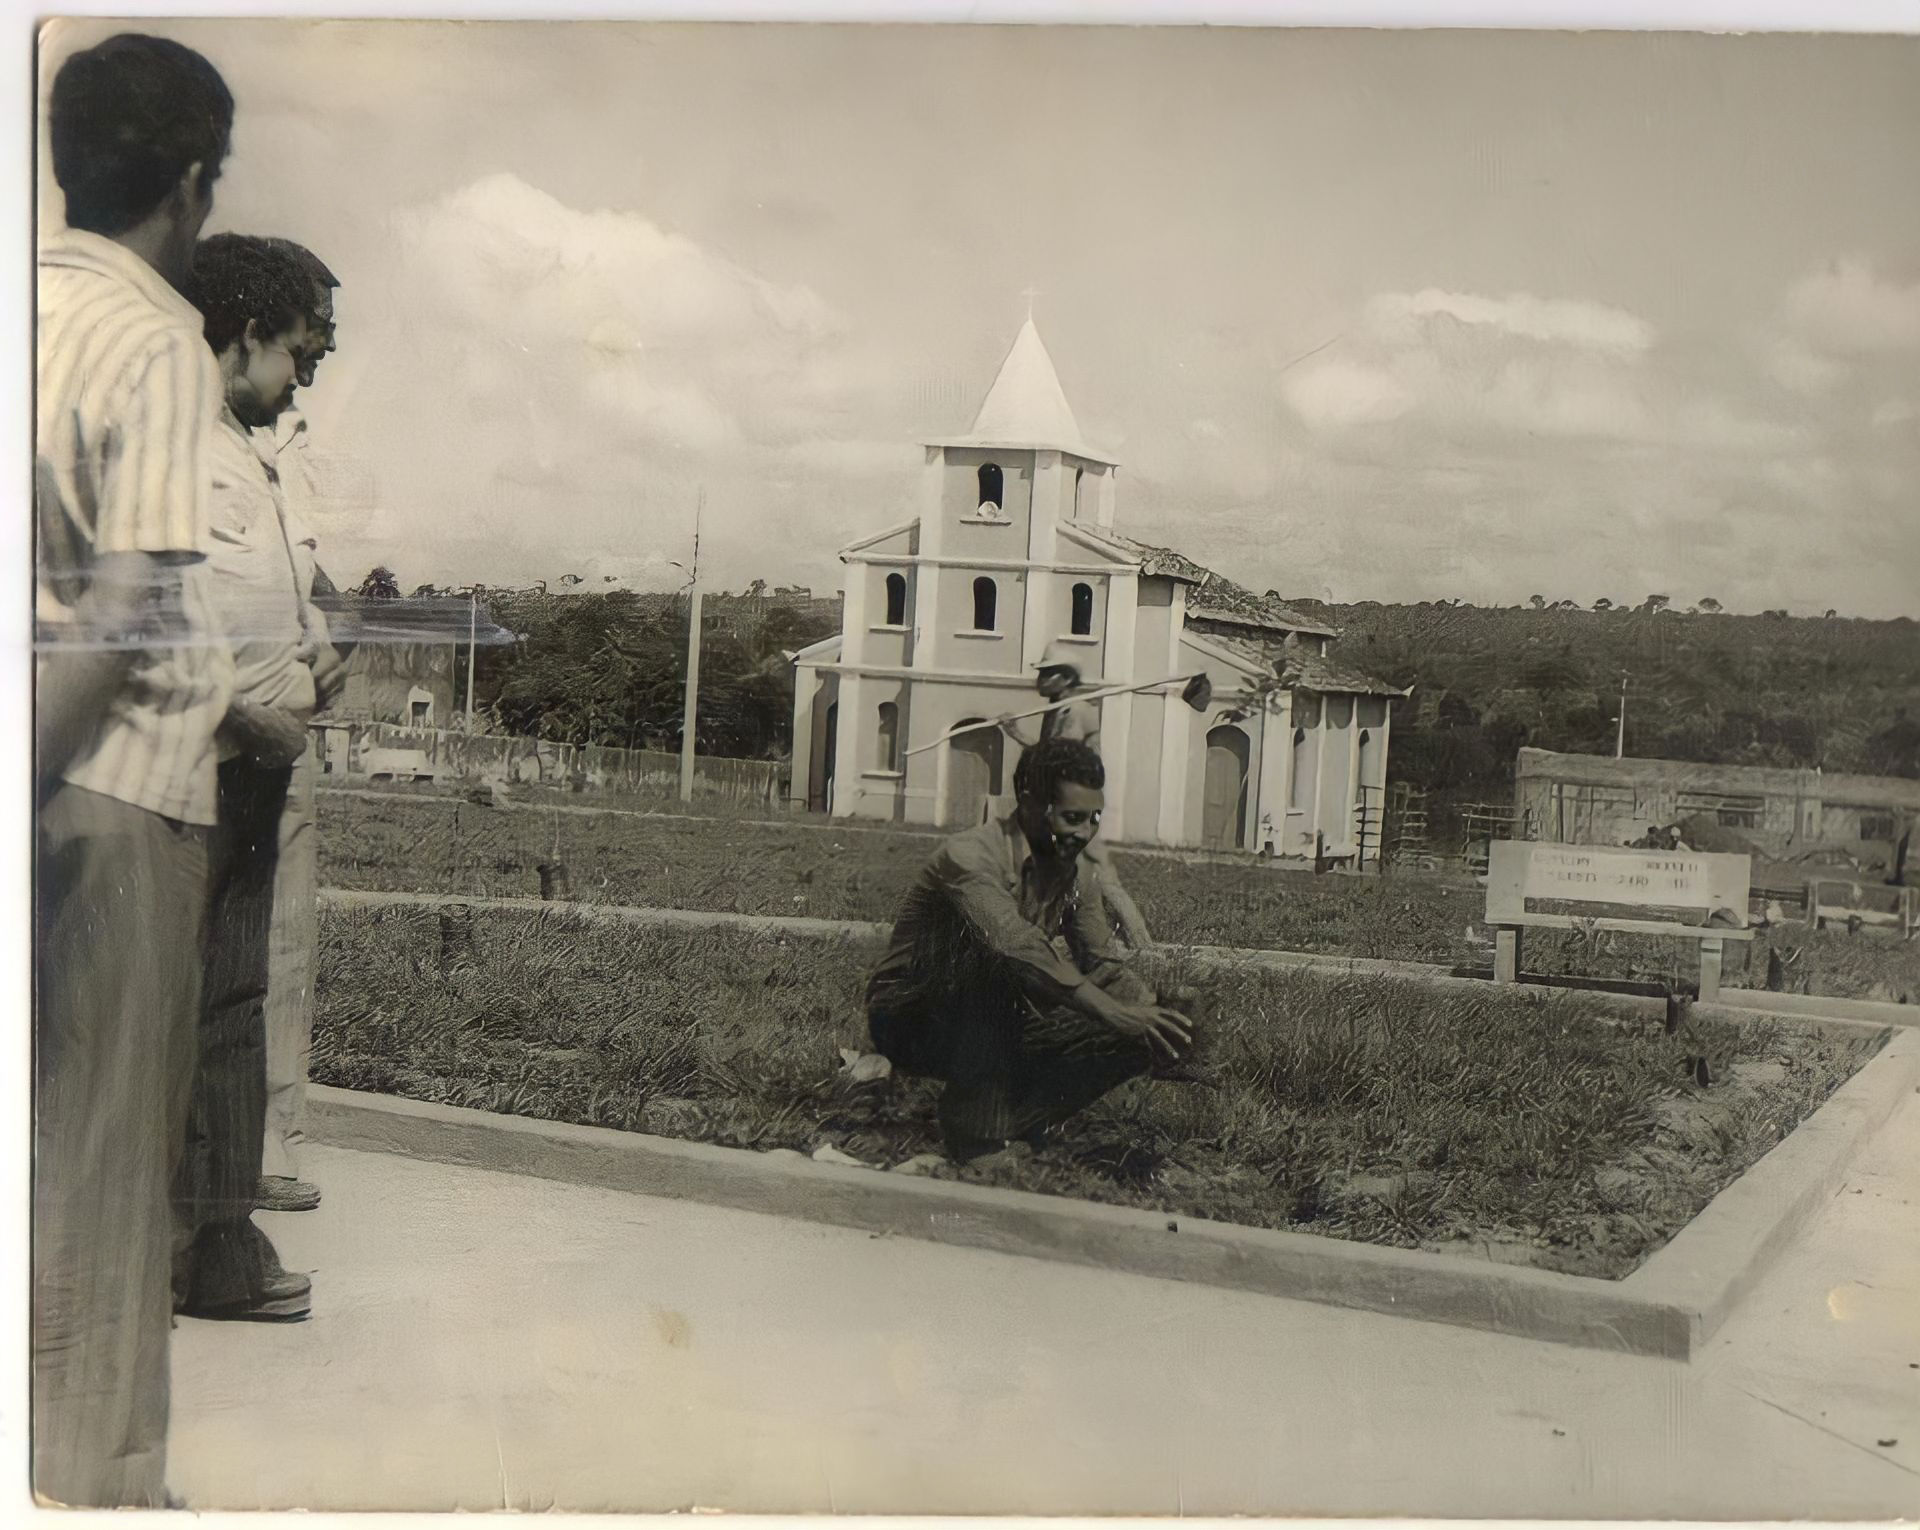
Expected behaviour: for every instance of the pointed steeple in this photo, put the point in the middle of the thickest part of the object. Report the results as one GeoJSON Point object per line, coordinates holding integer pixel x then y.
{"type": "Point", "coordinates": [1026, 406]}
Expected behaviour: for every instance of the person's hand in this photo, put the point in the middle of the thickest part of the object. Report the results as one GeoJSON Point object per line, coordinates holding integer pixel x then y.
{"type": "Point", "coordinates": [329, 675]}
{"type": "Point", "coordinates": [268, 736]}
{"type": "Point", "coordinates": [1167, 1032]}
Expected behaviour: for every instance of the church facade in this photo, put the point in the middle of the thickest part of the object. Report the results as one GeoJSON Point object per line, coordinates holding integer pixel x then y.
{"type": "Point", "coordinates": [1013, 551]}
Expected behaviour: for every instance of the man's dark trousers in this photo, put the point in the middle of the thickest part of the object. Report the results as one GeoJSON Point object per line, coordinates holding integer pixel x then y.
{"type": "Point", "coordinates": [221, 1258]}
{"type": "Point", "coordinates": [1011, 1066]}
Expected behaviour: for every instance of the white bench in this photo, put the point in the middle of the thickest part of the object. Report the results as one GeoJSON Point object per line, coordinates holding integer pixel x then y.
{"type": "Point", "coordinates": [1839, 899]}
{"type": "Point", "coordinates": [1682, 886]}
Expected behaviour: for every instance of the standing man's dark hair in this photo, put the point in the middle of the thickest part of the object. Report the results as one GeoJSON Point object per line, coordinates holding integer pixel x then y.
{"type": "Point", "coordinates": [311, 263]}
{"type": "Point", "coordinates": [129, 118]}
{"type": "Point", "coordinates": [240, 280]}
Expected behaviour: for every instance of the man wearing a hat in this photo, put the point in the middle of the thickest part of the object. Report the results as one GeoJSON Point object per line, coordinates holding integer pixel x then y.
{"type": "Point", "coordinates": [1057, 678]}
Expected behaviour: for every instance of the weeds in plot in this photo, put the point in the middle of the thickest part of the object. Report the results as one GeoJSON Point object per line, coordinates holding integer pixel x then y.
{"type": "Point", "coordinates": [800, 867]}
{"type": "Point", "coordinates": [1361, 1108]}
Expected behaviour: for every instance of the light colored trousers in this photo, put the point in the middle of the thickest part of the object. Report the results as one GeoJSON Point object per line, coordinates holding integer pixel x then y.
{"type": "Point", "coordinates": [293, 955]}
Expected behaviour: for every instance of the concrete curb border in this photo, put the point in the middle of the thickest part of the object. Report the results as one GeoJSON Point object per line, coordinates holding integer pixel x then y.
{"type": "Point", "coordinates": [1669, 1307]}
{"type": "Point", "coordinates": [1724, 1251]}
{"type": "Point", "coordinates": [1847, 1013]}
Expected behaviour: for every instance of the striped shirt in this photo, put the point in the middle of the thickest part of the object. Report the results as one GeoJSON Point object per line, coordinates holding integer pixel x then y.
{"type": "Point", "coordinates": [128, 393]}
{"type": "Point", "coordinates": [258, 587]}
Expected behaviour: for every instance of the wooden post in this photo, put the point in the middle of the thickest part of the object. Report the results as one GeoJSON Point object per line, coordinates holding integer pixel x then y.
{"type": "Point", "coordinates": [1506, 955]}
{"type": "Point", "coordinates": [1710, 951]}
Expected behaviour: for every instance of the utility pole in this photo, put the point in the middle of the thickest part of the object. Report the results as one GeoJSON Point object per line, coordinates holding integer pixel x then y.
{"type": "Point", "coordinates": [693, 660]}
{"type": "Point", "coordinates": [1620, 739]}
{"type": "Point", "coordinates": [473, 640]}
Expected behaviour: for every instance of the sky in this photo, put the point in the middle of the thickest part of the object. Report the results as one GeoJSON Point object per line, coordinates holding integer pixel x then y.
{"type": "Point", "coordinates": [1363, 315]}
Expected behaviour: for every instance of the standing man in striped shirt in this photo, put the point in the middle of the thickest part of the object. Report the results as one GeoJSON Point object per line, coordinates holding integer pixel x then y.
{"type": "Point", "coordinates": [257, 302]}
{"type": "Point", "coordinates": [132, 678]}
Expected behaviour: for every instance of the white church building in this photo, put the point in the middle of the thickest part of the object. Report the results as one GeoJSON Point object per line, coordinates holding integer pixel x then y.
{"type": "Point", "coordinates": [1013, 549]}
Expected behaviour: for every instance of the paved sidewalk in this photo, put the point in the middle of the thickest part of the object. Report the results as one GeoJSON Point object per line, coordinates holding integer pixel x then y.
{"type": "Point", "coordinates": [489, 1341]}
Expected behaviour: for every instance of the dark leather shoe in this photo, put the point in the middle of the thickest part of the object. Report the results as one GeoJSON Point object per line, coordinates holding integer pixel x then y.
{"type": "Point", "coordinates": [283, 1297]}
{"type": "Point", "coordinates": [280, 1192]}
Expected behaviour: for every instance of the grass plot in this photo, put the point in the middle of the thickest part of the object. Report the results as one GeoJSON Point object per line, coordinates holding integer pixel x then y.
{"type": "Point", "coordinates": [1385, 1111]}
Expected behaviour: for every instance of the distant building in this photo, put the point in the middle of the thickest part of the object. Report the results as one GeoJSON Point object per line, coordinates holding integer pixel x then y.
{"type": "Point", "coordinates": [1588, 799]}
{"type": "Point", "coordinates": [402, 656]}
{"type": "Point", "coordinates": [1014, 549]}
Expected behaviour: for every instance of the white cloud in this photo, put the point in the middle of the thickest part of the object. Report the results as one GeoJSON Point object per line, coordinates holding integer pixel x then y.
{"type": "Point", "coordinates": [1511, 374]}
{"type": "Point", "coordinates": [529, 263]}
{"type": "Point", "coordinates": [1546, 396]}
{"type": "Point", "coordinates": [583, 330]}
{"type": "Point", "coordinates": [1337, 392]}
{"type": "Point", "coordinates": [1407, 316]}
{"type": "Point", "coordinates": [1850, 308]}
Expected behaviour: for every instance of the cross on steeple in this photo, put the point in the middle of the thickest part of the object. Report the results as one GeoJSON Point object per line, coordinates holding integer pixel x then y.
{"type": "Point", "coordinates": [1030, 293]}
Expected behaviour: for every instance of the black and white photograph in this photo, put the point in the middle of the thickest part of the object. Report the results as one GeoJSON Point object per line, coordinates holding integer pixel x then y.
{"type": "Point", "coordinates": [918, 768]}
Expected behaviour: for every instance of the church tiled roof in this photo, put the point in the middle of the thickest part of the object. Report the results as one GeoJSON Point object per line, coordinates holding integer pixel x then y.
{"type": "Point", "coordinates": [1331, 675]}
{"type": "Point", "coordinates": [1214, 597]}
{"type": "Point", "coordinates": [1312, 671]}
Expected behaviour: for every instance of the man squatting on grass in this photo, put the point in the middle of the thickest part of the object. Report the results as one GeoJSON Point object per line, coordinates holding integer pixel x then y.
{"type": "Point", "coordinates": [1002, 978]}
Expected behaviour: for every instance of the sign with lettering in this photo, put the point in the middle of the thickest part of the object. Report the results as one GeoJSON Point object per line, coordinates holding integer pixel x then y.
{"type": "Point", "coordinates": [1568, 871]}
{"type": "Point", "coordinates": [1518, 872]}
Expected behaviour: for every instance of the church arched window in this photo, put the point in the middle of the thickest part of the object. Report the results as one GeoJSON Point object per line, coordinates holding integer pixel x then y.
{"type": "Point", "coordinates": [992, 488]}
{"type": "Point", "coordinates": [896, 600]}
{"type": "Point", "coordinates": [986, 600]}
{"type": "Point", "coordinates": [1082, 610]}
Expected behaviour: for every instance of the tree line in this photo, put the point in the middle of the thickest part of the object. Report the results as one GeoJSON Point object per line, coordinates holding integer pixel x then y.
{"type": "Point", "coordinates": [1710, 687]}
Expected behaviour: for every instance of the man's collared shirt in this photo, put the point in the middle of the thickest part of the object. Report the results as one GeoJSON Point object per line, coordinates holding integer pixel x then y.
{"type": "Point", "coordinates": [293, 460]}
{"type": "Point", "coordinates": [1077, 720]}
{"type": "Point", "coordinates": [258, 584]}
{"type": "Point", "coordinates": [127, 398]}
{"type": "Point", "coordinates": [985, 896]}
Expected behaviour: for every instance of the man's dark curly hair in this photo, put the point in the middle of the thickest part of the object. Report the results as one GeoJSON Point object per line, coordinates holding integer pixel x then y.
{"type": "Point", "coordinates": [315, 267]}
{"type": "Point", "coordinates": [1043, 767]}
{"type": "Point", "coordinates": [239, 279]}
{"type": "Point", "coordinates": [128, 117]}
